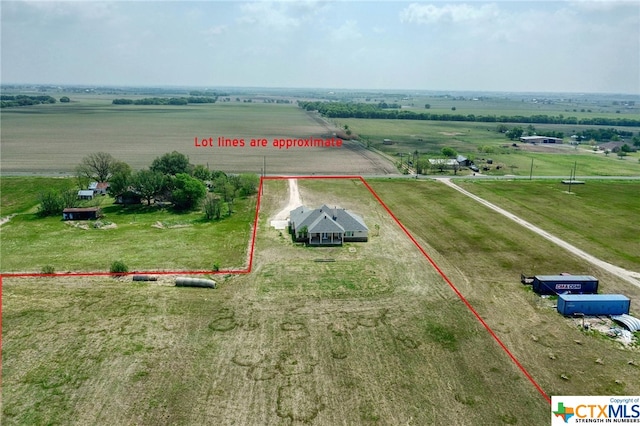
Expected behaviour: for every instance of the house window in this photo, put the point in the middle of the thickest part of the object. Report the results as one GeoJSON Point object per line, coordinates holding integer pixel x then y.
{"type": "Point", "coordinates": [348, 234]}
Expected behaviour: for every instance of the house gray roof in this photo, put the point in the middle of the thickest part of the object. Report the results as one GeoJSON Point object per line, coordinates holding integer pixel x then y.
{"type": "Point", "coordinates": [324, 223]}
{"type": "Point", "coordinates": [326, 219]}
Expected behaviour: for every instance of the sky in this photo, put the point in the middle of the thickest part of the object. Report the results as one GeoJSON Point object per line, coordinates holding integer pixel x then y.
{"type": "Point", "coordinates": [508, 46]}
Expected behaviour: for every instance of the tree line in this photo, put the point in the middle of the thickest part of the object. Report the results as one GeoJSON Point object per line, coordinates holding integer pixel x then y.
{"type": "Point", "coordinates": [364, 110]}
{"type": "Point", "coordinates": [167, 101]}
{"type": "Point", "coordinates": [24, 100]}
{"type": "Point", "coordinates": [170, 178]}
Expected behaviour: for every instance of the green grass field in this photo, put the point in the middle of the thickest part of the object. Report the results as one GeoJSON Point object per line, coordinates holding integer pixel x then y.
{"type": "Point", "coordinates": [599, 217]}
{"type": "Point", "coordinates": [374, 337]}
{"type": "Point", "coordinates": [428, 138]}
{"type": "Point", "coordinates": [144, 238]}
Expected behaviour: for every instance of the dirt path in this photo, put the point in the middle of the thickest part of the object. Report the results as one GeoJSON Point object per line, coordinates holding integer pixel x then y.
{"type": "Point", "coordinates": [280, 220]}
{"type": "Point", "coordinates": [6, 219]}
{"type": "Point", "coordinates": [629, 276]}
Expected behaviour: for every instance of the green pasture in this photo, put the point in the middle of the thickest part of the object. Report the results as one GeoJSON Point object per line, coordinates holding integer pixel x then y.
{"type": "Point", "coordinates": [484, 254]}
{"type": "Point", "coordinates": [600, 217]}
{"type": "Point", "coordinates": [473, 139]}
{"type": "Point", "coordinates": [19, 194]}
{"type": "Point", "coordinates": [376, 337]}
{"type": "Point", "coordinates": [144, 238]}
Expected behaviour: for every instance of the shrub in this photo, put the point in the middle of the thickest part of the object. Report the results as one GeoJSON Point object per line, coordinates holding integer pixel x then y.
{"type": "Point", "coordinates": [118, 268]}
{"type": "Point", "coordinates": [48, 269]}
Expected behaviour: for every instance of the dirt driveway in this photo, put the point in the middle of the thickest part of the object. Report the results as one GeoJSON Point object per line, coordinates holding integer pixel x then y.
{"type": "Point", "coordinates": [281, 219]}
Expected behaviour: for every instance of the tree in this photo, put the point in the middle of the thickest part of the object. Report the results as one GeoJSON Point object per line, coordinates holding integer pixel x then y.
{"type": "Point", "coordinates": [148, 184]}
{"type": "Point", "coordinates": [65, 99]}
{"type": "Point", "coordinates": [621, 154]}
{"type": "Point", "coordinates": [453, 108]}
{"type": "Point", "coordinates": [449, 152]}
{"type": "Point", "coordinates": [247, 184]}
{"type": "Point", "coordinates": [427, 106]}
{"type": "Point", "coordinates": [636, 141]}
{"type": "Point", "coordinates": [188, 191]}
{"type": "Point", "coordinates": [212, 207]}
{"type": "Point", "coordinates": [229, 194]}
{"type": "Point", "coordinates": [172, 164]}
{"type": "Point", "coordinates": [51, 203]}
{"type": "Point", "coordinates": [201, 172]}
{"type": "Point", "coordinates": [120, 183]}
{"type": "Point", "coordinates": [98, 166]}
{"type": "Point", "coordinates": [515, 133]}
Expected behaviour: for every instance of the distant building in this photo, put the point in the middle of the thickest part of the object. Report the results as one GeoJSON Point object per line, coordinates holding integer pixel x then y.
{"type": "Point", "coordinates": [463, 161]}
{"type": "Point", "coordinates": [99, 187]}
{"type": "Point", "coordinates": [387, 142]}
{"type": "Point", "coordinates": [85, 194]}
{"type": "Point", "coordinates": [540, 139]}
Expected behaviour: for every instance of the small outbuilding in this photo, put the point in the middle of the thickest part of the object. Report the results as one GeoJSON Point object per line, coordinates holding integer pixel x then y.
{"type": "Point", "coordinates": [83, 213]}
{"type": "Point", "coordinates": [85, 194]}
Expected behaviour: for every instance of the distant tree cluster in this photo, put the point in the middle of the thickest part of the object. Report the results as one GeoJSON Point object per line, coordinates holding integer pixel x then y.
{"type": "Point", "coordinates": [167, 101]}
{"type": "Point", "coordinates": [364, 110]}
{"type": "Point", "coordinates": [170, 177]}
{"type": "Point", "coordinates": [603, 135]}
{"type": "Point", "coordinates": [24, 100]}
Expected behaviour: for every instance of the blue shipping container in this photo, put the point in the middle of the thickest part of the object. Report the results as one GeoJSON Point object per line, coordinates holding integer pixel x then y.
{"type": "Point", "coordinates": [570, 284]}
{"type": "Point", "coordinates": [593, 304]}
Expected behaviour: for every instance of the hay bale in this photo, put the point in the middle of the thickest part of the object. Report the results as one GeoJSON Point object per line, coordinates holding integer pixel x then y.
{"type": "Point", "coordinates": [194, 282]}
{"type": "Point", "coordinates": [144, 278]}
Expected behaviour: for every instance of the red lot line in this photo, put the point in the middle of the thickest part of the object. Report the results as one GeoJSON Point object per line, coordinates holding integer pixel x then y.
{"type": "Point", "coordinates": [457, 292]}
{"type": "Point", "coordinates": [251, 252]}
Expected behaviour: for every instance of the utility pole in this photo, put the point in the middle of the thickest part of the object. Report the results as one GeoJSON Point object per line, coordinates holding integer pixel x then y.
{"type": "Point", "coordinates": [531, 171]}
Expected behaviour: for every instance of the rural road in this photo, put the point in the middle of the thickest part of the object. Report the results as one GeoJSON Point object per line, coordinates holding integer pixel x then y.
{"type": "Point", "coordinates": [629, 276]}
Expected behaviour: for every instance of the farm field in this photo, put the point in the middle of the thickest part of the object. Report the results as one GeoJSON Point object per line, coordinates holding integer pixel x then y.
{"type": "Point", "coordinates": [375, 337]}
{"type": "Point", "coordinates": [53, 139]}
{"type": "Point", "coordinates": [480, 141]}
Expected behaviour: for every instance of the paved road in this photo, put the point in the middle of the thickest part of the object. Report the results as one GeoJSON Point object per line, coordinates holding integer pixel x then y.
{"type": "Point", "coordinates": [629, 276]}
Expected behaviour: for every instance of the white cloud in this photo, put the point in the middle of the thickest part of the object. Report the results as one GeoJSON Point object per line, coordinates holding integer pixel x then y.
{"type": "Point", "coordinates": [346, 32]}
{"type": "Point", "coordinates": [217, 30]}
{"type": "Point", "coordinates": [280, 15]}
{"type": "Point", "coordinates": [419, 13]}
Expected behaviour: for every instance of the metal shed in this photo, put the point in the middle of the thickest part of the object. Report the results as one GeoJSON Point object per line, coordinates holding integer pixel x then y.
{"type": "Point", "coordinates": [561, 284]}
{"type": "Point", "coordinates": [632, 323]}
{"type": "Point", "coordinates": [593, 304]}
